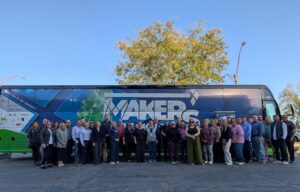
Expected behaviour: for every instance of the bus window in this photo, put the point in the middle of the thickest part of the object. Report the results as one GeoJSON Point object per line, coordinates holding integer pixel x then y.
{"type": "Point", "coordinates": [270, 109]}
{"type": "Point", "coordinates": [244, 102]}
{"type": "Point", "coordinates": [266, 94]}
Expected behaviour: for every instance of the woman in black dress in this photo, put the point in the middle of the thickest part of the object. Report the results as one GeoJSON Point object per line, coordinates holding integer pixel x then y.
{"type": "Point", "coordinates": [140, 137]}
{"type": "Point", "coordinates": [128, 141]}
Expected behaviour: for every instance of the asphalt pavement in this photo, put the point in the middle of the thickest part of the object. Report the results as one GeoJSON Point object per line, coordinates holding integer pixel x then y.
{"type": "Point", "coordinates": [19, 174]}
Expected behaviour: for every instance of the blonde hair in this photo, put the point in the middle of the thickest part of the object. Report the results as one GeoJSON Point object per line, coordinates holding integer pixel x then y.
{"type": "Point", "coordinates": [62, 125]}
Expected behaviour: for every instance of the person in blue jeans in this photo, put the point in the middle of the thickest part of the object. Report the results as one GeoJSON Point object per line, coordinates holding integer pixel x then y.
{"type": "Point", "coordinates": [151, 141]}
{"type": "Point", "coordinates": [114, 144]}
{"type": "Point", "coordinates": [257, 133]}
{"type": "Point", "coordinates": [237, 141]}
{"type": "Point", "coordinates": [76, 139]}
{"type": "Point", "coordinates": [247, 149]}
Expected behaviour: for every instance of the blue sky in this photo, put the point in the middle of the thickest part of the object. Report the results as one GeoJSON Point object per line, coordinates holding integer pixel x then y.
{"type": "Point", "coordinates": [74, 42]}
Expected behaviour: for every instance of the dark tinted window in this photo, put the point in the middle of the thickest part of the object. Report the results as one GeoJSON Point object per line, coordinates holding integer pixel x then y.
{"type": "Point", "coordinates": [209, 102]}
{"type": "Point", "coordinates": [243, 102]}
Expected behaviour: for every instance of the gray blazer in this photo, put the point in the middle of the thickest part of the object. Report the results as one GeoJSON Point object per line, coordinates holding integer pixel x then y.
{"type": "Point", "coordinates": [61, 138]}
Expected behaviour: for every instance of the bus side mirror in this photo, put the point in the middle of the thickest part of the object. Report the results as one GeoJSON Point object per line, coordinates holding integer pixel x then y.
{"type": "Point", "coordinates": [264, 112]}
{"type": "Point", "coordinates": [292, 110]}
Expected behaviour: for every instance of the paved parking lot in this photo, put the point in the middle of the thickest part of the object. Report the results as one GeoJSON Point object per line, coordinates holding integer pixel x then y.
{"type": "Point", "coordinates": [20, 175]}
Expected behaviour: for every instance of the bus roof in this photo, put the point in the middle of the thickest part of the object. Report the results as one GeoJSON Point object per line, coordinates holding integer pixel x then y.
{"type": "Point", "coordinates": [134, 87]}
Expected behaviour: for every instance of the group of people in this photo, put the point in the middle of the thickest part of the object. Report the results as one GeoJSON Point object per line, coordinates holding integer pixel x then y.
{"type": "Point", "coordinates": [227, 140]}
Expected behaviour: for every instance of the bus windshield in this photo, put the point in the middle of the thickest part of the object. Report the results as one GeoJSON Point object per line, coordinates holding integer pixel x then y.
{"type": "Point", "coordinates": [270, 109]}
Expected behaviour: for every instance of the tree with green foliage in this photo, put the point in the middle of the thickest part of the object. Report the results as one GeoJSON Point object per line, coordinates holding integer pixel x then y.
{"type": "Point", "coordinates": [162, 55]}
{"type": "Point", "coordinates": [291, 95]}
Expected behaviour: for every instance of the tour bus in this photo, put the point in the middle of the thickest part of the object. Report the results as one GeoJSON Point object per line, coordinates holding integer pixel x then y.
{"type": "Point", "coordinates": [20, 106]}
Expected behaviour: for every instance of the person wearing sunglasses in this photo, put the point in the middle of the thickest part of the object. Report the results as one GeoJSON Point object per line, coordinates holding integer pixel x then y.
{"type": "Point", "coordinates": [193, 144]}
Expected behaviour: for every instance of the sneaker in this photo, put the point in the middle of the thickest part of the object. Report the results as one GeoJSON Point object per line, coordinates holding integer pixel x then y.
{"type": "Point", "coordinates": [49, 165]}
{"type": "Point", "coordinates": [117, 162]}
{"type": "Point", "coordinates": [285, 163]}
{"type": "Point", "coordinates": [192, 164]}
{"type": "Point", "coordinates": [262, 161]}
{"type": "Point", "coordinates": [228, 163]}
{"type": "Point", "coordinates": [60, 165]}
{"type": "Point", "coordinates": [277, 162]}
{"type": "Point", "coordinates": [205, 162]}
{"type": "Point", "coordinates": [150, 161]}
{"type": "Point", "coordinates": [241, 163]}
{"type": "Point", "coordinates": [112, 163]}
{"type": "Point", "coordinates": [173, 163]}
{"type": "Point", "coordinates": [44, 167]}
{"type": "Point", "coordinates": [210, 162]}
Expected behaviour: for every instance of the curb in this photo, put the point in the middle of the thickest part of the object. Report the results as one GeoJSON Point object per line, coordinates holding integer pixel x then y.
{"type": "Point", "coordinates": [4, 156]}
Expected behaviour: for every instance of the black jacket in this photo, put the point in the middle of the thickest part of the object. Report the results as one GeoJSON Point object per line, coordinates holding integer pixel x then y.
{"type": "Point", "coordinates": [291, 129]}
{"type": "Point", "coordinates": [129, 135]}
{"type": "Point", "coordinates": [45, 136]}
{"type": "Point", "coordinates": [226, 134]}
{"type": "Point", "coordinates": [164, 129]}
{"type": "Point", "coordinates": [97, 136]}
{"type": "Point", "coordinates": [34, 137]}
{"type": "Point", "coordinates": [106, 126]}
{"type": "Point", "coordinates": [173, 135]}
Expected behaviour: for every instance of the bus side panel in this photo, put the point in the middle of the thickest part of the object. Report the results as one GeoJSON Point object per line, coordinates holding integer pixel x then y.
{"type": "Point", "coordinates": [19, 108]}
{"type": "Point", "coordinates": [16, 115]}
{"type": "Point", "coordinates": [3, 141]}
{"type": "Point", "coordinates": [13, 142]}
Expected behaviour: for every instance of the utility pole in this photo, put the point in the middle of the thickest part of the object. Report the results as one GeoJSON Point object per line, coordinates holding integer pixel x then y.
{"type": "Point", "coordinates": [236, 75]}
